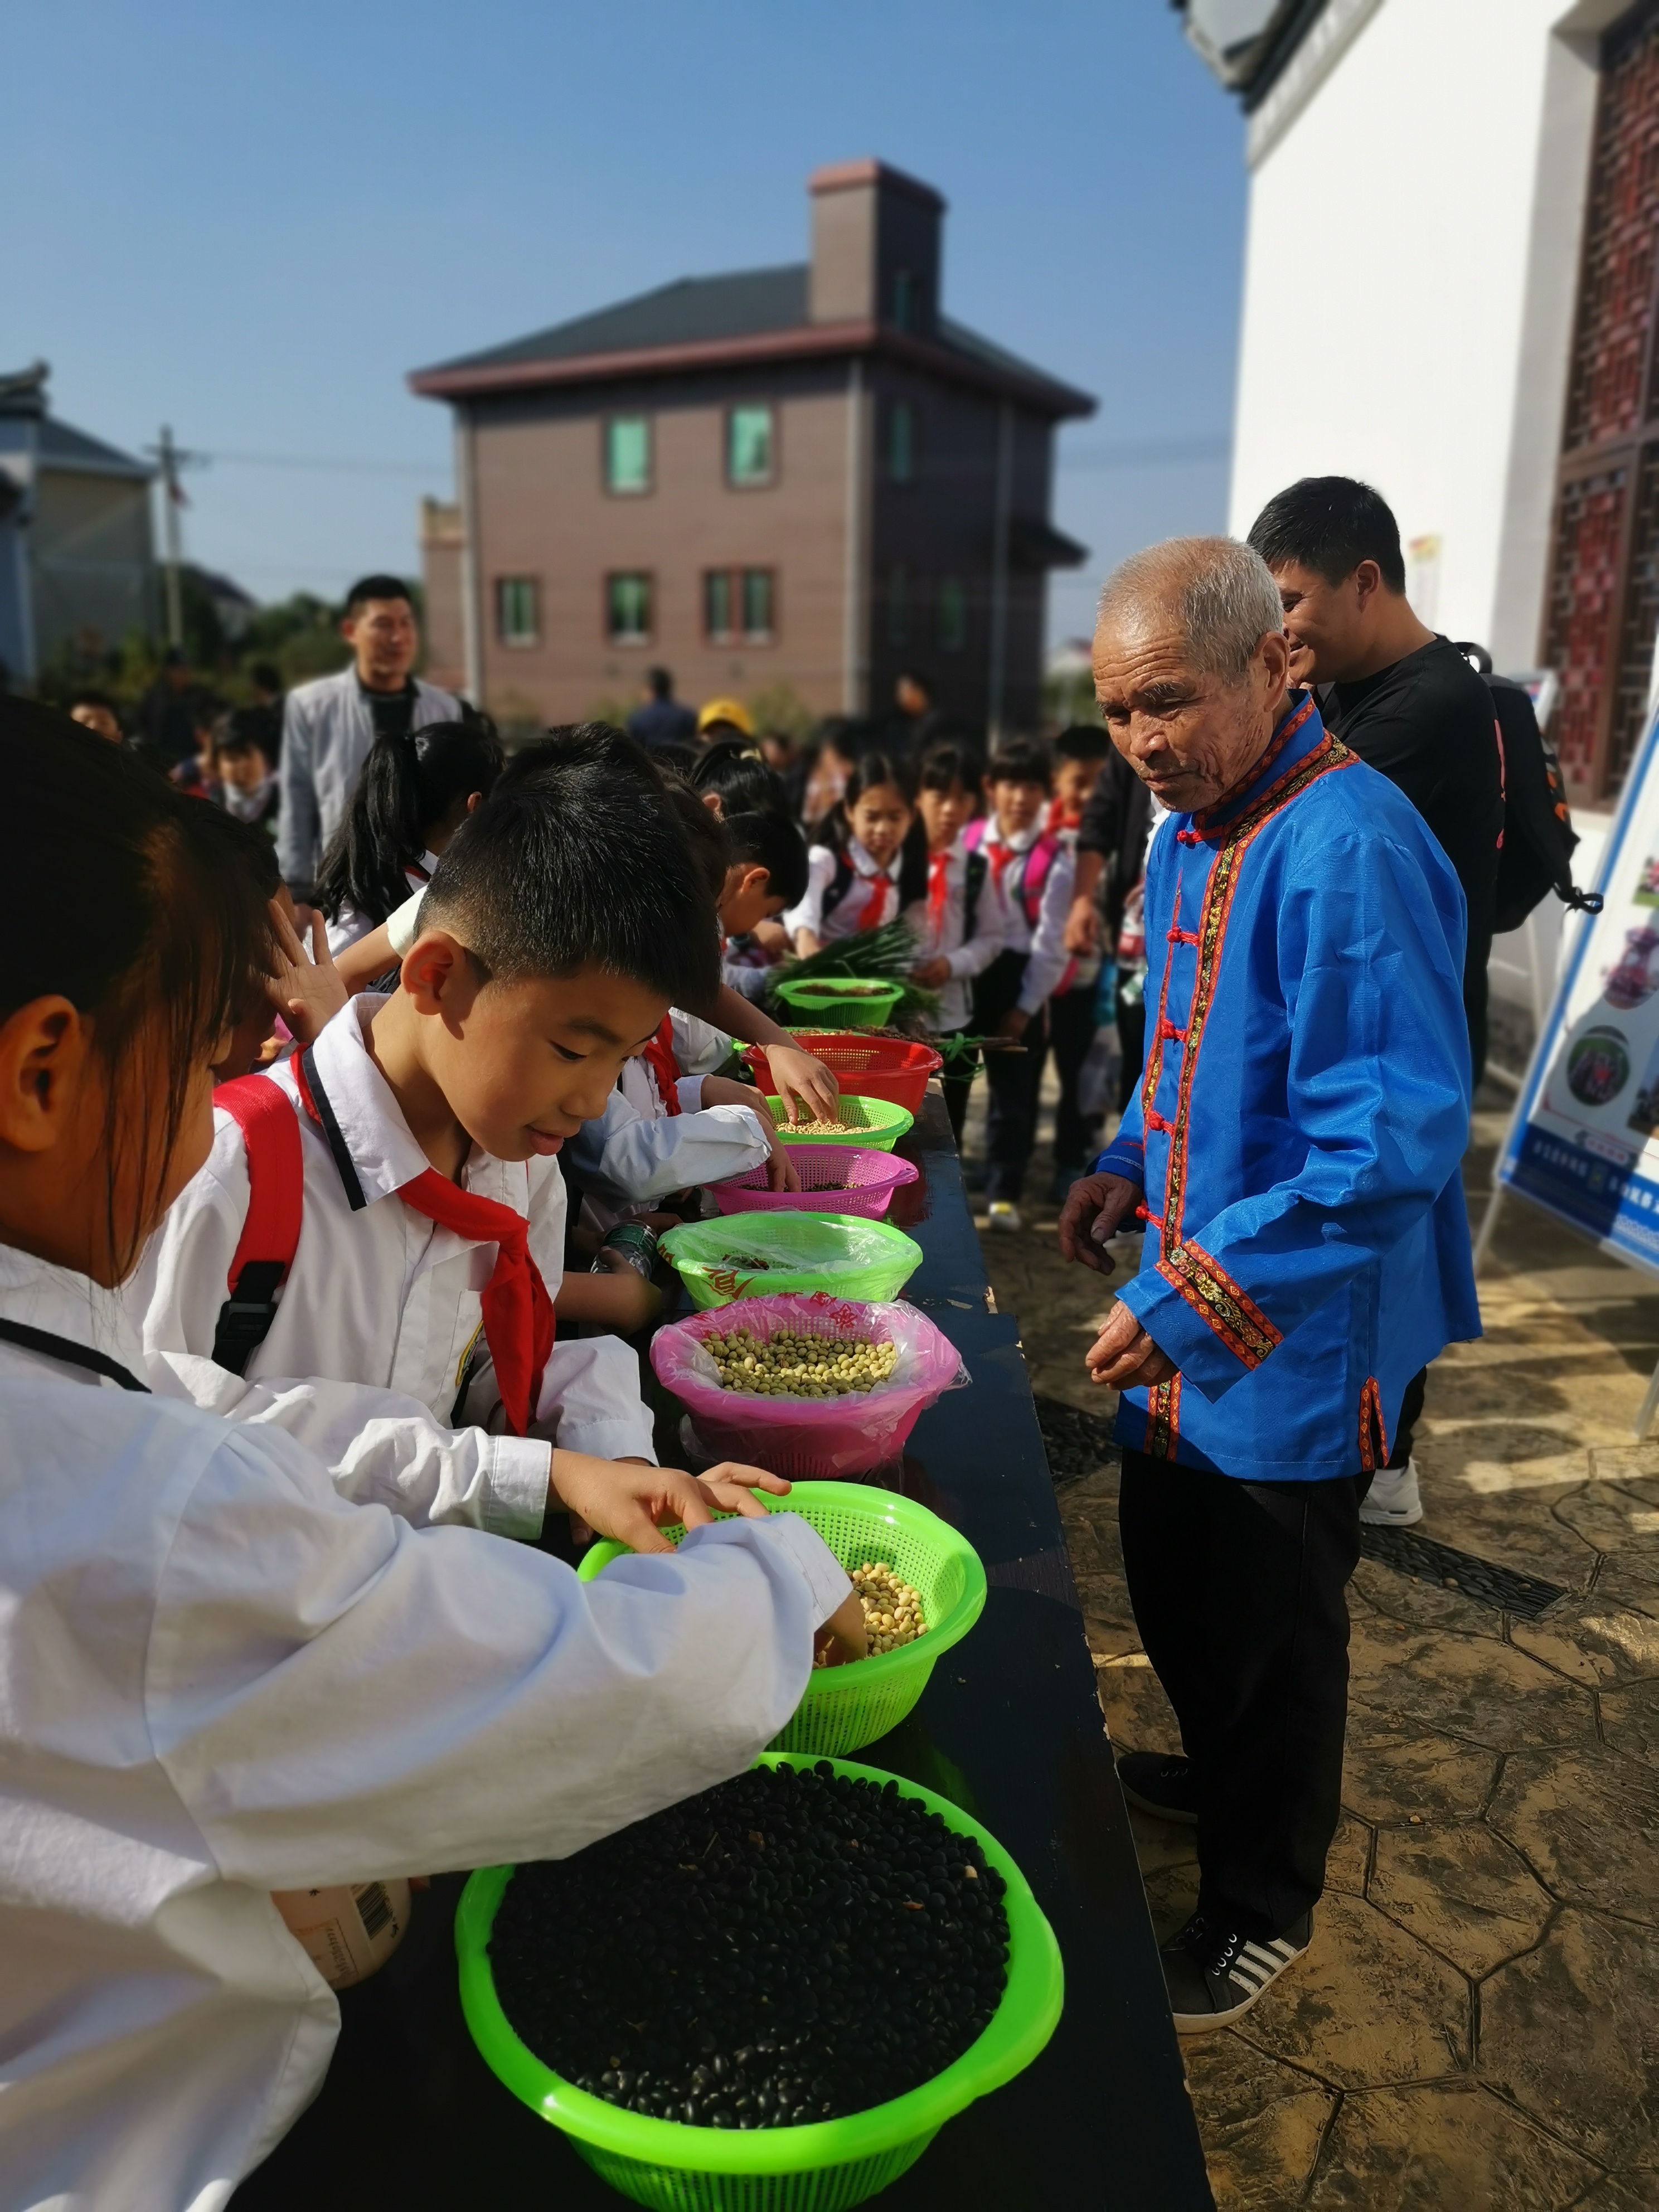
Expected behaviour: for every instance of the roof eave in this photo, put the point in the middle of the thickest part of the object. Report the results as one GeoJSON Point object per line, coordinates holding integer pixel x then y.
{"type": "Point", "coordinates": [805, 340]}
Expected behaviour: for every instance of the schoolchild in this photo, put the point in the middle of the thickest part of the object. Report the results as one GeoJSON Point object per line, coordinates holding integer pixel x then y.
{"type": "Point", "coordinates": [430, 1242]}
{"type": "Point", "coordinates": [960, 931]}
{"type": "Point", "coordinates": [870, 863]}
{"type": "Point", "coordinates": [731, 776]}
{"type": "Point", "coordinates": [1080, 753]}
{"type": "Point", "coordinates": [244, 781]}
{"type": "Point", "coordinates": [1029, 885]}
{"type": "Point", "coordinates": [414, 791]}
{"type": "Point", "coordinates": [229, 1680]}
{"type": "Point", "coordinates": [675, 1123]}
{"type": "Point", "coordinates": [765, 875]}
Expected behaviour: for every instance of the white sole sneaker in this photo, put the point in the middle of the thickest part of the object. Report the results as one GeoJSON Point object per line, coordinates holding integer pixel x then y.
{"type": "Point", "coordinates": [1004, 1215]}
{"type": "Point", "coordinates": [1393, 1500]}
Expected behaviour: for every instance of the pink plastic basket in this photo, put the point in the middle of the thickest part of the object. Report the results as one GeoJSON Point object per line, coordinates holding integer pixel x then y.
{"type": "Point", "coordinates": [809, 1440]}
{"type": "Point", "coordinates": [835, 1179]}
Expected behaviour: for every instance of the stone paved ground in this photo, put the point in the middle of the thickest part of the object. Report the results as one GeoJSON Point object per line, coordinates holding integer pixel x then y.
{"type": "Point", "coordinates": [1477, 2022]}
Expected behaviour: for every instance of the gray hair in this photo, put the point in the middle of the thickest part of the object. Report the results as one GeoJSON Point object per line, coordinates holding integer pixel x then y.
{"type": "Point", "coordinates": [1220, 591]}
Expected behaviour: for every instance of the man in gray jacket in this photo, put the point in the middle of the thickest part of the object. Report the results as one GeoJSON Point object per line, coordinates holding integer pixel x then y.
{"type": "Point", "coordinates": [328, 726]}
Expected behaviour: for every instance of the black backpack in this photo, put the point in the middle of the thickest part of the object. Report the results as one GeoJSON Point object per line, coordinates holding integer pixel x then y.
{"type": "Point", "coordinates": [1538, 833]}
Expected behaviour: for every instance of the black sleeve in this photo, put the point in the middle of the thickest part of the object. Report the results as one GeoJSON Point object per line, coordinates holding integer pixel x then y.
{"type": "Point", "coordinates": [1101, 830]}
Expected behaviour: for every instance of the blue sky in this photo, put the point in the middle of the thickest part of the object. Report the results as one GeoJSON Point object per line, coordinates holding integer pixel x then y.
{"type": "Point", "coordinates": [250, 222]}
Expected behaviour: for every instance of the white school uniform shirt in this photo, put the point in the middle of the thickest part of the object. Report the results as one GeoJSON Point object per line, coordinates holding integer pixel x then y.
{"type": "Point", "coordinates": [348, 925]}
{"type": "Point", "coordinates": [1045, 945]}
{"type": "Point", "coordinates": [198, 1635]}
{"type": "Point", "coordinates": [872, 893]}
{"type": "Point", "coordinates": [968, 958]}
{"type": "Point", "coordinates": [379, 1293]}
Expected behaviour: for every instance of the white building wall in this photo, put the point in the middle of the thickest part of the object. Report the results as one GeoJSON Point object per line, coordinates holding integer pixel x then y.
{"type": "Point", "coordinates": [1410, 280]}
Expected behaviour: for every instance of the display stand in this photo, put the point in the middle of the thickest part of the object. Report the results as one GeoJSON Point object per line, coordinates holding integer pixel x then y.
{"type": "Point", "coordinates": [1582, 1143]}
{"type": "Point", "coordinates": [410, 2120]}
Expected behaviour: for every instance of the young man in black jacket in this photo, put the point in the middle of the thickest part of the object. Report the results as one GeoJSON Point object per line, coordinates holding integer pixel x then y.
{"type": "Point", "coordinates": [1406, 701]}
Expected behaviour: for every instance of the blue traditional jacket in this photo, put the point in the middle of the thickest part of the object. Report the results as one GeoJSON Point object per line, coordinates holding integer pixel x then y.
{"type": "Point", "coordinates": [1300, 1126]}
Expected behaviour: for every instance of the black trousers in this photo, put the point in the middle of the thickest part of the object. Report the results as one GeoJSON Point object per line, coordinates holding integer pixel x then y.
{"type": "Point", "coordinates": [1237, 1590]}
{"type": "Point", "coordinates": [1411, 1412]}
{"type": "Point", "coordinates": [1012, 1078]}
{"type": "Point", "coordinates": [1071, 1032]}
{"type": "Point", "coordinates": [956, 1090]}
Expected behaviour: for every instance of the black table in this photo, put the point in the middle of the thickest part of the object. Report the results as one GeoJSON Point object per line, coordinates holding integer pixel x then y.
{"type": "Point", "coordinates": [1009, 1728]}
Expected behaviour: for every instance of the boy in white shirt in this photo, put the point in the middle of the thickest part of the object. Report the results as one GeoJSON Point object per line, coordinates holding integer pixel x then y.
{"type": "Point", "coordinates": [1029, 885]}
{"type": "Point", "coordinates": [431, 1238]}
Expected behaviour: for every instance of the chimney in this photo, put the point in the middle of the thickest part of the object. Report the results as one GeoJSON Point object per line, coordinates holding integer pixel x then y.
{"type": "Point", "coordinates": [875, 248]}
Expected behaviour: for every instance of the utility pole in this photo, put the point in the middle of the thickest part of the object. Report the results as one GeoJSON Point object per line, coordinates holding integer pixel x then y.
{"type": "Point", "coordinates": [173, 459]}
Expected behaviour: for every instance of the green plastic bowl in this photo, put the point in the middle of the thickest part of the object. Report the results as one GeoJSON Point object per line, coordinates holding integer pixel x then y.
{"type": "Point", "coordinates": [821, 2167]}
{"type": "Point", "coordinates": [846, 1707]}
{"type": "Point", "coordinates": [862, 1003]}
{"type": "Point", "coordinates": [875, 1123]}
{"type": "Point", "coordinates": [866, 1261]}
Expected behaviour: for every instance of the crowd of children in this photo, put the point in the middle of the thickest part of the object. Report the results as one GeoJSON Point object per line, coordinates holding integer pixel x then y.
{"type": "Point", "coordinates": [315, 1284]}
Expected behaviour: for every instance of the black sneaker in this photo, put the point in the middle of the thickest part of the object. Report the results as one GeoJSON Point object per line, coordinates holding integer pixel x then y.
{"type": "Point", "coordinates": [1159, 1785]}
{"type": "Point", "coordinates": [1214, 1975]}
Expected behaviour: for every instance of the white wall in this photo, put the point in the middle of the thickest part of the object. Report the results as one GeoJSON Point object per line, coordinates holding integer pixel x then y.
{"type": "Point", "coordinates": [1409, 288]}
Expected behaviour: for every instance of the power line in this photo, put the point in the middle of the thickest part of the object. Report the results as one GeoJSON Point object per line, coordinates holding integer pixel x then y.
{"type": "Point", "coordinates": [329, 465]}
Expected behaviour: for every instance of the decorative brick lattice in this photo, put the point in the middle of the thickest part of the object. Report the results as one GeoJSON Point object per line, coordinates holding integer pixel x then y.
{"type": "Point", "coordinates": [1605, 395]}
{"type": "Point", "coordinates": [1584, 577]}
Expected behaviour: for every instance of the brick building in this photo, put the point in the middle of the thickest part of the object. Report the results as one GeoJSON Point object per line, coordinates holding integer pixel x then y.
{"type": "Point", "coordinates": [804, 476]}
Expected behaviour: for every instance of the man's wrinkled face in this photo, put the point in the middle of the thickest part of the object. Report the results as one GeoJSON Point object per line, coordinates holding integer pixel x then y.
{"type": "Point", "coordinates": [1187, 736]}
{"type": "Point", "coordinates": [1322, 621]}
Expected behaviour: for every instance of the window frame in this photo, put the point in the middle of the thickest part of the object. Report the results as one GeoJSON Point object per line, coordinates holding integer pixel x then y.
{"type": "Point", "coordinates": [770, 410]}
{"type": "Point", "coordinates": [624, 638]}
{"type": "Point", "coordinates": [514, 641]}
{"type": "Point", "coordinates": [734, 578]}
{"type": "Point", "coordinates": [905, 411]}
{"type": "Point", "coordinates": [608, 422]}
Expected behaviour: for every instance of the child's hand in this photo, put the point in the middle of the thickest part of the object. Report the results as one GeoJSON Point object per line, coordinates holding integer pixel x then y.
{"type": "Point", "coordinates": [730, 1486]}
{"type": "Point", "coordinates": [844, 1634]}
{"type": "Point", "coordinates": [305, 992]}
{"type": "Point", "coordinates": [931, 973]}
{"type": "Point", "coordinates": [802, 1082]}
{"type": "Point", "coordinates": [630, 1500]}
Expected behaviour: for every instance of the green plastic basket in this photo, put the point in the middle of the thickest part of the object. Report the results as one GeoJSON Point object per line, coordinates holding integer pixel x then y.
{"type": "Point", "coordinates": [846, 1707]}
{"type": "Point", "coordinates": [861, 1002]}
{"type": "Point", "coordinates": [865, 1260]}
{"type": "Point", "coordinates": [821, 2167]}
{"type": "Point", "coordinates": [875, 1123]}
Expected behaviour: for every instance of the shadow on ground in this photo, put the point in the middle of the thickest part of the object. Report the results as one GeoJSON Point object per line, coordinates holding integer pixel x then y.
{"type": "Point", "coordinates": [1477, 2022]}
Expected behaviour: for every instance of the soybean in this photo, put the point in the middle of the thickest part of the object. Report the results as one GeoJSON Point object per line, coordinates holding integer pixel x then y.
{"type": "Point", "coordinates": [790, 1363]}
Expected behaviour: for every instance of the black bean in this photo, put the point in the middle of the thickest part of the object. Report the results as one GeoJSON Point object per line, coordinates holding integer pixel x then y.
{"type": "Point", "coordinates": [722, 1957]}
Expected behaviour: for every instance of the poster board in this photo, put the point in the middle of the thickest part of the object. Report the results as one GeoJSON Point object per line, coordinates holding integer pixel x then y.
{"type": "Point", "coordinates": [1585, 1141]}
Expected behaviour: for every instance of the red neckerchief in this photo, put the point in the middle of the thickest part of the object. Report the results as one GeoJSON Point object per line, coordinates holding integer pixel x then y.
{"type": "Point", "coordinates": [939, 890]}
{"type": "Point", "coordinates": [659, 1057]}
{"type": "Point", "coordinates": [517, 1314]}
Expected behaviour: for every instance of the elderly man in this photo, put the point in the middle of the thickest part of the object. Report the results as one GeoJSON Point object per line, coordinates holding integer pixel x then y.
{"type": "Point", "coordinates": [1294, 1153]}
{"type": "Point", "coordinates": [328, 726]}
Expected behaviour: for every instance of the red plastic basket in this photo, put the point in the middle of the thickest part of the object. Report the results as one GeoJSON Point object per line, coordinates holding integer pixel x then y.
{"type": "Point", "coordinates": [835, 1179]}
{"type": "Point", "coordinates": [892, 1068]}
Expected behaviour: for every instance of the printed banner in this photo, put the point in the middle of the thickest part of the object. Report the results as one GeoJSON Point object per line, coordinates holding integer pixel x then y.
{"type": "Point", "coordinates": [1585, 1142]}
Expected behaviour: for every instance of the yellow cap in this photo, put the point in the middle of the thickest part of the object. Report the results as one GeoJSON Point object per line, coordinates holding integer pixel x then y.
{"type": "Point", "coordinates": [726, 710]}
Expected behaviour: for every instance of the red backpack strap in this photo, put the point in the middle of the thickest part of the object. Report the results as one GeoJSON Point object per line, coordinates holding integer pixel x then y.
{"type": "Point", "coordinates": [265, 1114]}
{"type": "Point", "coordinates": [974, 835]}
